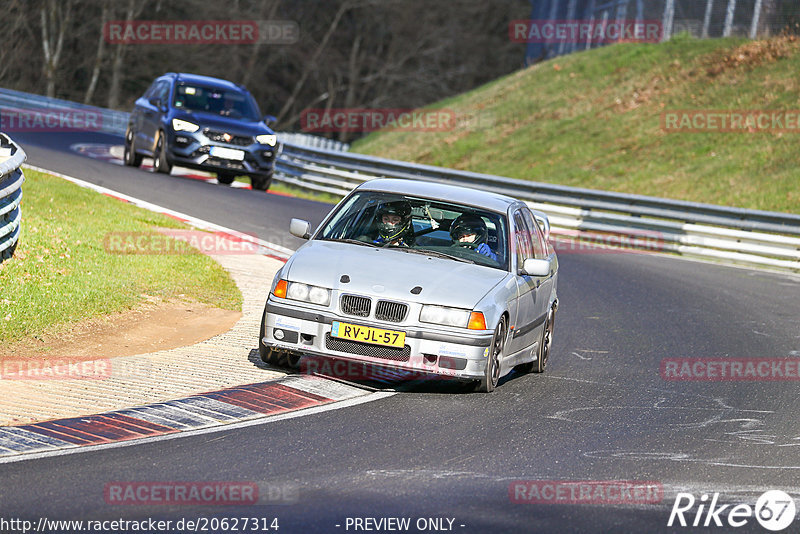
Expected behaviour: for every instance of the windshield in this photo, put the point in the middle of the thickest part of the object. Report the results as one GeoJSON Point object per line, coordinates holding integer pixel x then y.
{"type": "Point", "coordinates": [444, 229]}
{"type": "Point", "coordinates": [234, 104]}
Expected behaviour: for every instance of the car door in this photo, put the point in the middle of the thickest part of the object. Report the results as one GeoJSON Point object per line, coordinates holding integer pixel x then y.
{"type": "Point", "coordinates": [151, 114]}
{"type": "Point", "coordinates": [137, 117]}
{"type": "Point", "coordinates": [523, 334]}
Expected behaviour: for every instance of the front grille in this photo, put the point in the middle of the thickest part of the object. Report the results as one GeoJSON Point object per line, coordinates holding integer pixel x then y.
{"type": "Point", "coordinates": [355, 305]}
{"type": "Point", "coordinates": [365, 349]}
{"type": "Point", "coordinates": [390, 311]}
{"type": "Point", "coordinates": [225, 163]}
{"type": "Point", "coordinates": [219, 137]}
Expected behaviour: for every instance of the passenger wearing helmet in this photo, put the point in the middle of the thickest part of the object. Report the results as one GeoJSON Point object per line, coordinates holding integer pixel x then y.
{"type": "Point", "coordinates": [393, 221]}
{"type": "Point", "coordinates": [469, 230]}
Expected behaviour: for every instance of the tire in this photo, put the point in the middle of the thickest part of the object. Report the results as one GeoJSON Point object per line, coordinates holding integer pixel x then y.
{"type": "Point", "coordinates": [225, 179]}
{"type": "Point", "coordinates": [131, 158]}
{"type": "Point", "coordinates": [491, 375]}
{"type": "Point", "coordinates": [160, 162]}
{"type": "Point", "coordinates": [261, 183]}
{"type": "Point", "coordinates": [276, 358]}
{"type": "Point", "coordinates": [544, 345]}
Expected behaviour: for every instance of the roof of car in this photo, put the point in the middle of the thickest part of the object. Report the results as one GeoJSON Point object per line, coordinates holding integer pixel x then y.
{"type": "Point", "coordinates": [207, 81]}
{"type": "Point", "coordinates": [457, 194]}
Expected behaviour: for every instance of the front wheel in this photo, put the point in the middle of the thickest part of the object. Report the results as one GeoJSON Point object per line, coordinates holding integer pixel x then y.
{"type": "Point", "coordinates": [160, 162]}
{"type": "Point", "coordinates": [491, 374]}
{"type": "Point", "coordinates": [275, 357]}
{"type": "Point", "coordinates": [261, 183]}
{"type": "Point", "coordinates": [225, 179]}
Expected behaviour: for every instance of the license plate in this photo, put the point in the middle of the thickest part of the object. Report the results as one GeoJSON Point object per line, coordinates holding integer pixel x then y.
{"type": "Point", "coordinates": [226, 153]}
{"type": "Point", "coordinates": [367, 334]}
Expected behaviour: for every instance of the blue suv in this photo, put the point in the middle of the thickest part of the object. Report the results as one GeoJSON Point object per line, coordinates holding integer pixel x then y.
{"type": "Point", "coordinates": [202, 123]}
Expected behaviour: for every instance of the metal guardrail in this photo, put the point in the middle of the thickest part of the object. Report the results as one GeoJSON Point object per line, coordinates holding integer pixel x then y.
{"type": "Point", "coordinates": [11, 178]}
{"type": "Point", "coordinates": [729, 234]}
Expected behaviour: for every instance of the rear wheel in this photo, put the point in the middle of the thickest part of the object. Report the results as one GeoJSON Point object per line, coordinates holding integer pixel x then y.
{"type": "Point", "coordinates": [130, 157]}
{"type": "Point", "coordinates": [491, 374]}
{"type": "Point", "coordinates": [160, 162]}
{"type": "Point", "coordinates": [544, 346]}
{"type": "Point", "coordinates": [225, 178]}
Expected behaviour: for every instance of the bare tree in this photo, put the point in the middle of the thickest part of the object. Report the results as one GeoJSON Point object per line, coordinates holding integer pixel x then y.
{"type": "Point", "coordinates": [54, 18]}
{"type": "Point", "coordinates": [98, 58]}
{"type": "Point", "coordinates": [133, 10]}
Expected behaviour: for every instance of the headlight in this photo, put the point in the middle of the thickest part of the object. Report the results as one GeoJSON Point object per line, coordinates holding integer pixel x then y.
{"type": "Point", "coordinates": [184, 126]}
{"type": "Point", "coordinates": [444, 316]}
{"type": "Point", "coordinates": [267, 139]}
{"type": "Point", "coordinates": [306, 293]}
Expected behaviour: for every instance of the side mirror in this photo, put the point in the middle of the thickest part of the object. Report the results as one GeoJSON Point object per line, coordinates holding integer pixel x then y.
{"type": "Point", "coordinates": [533, 267]}
{"type": "Point", "coordinates": [270, 119]}
{"type": "Point", "coordinates": [299, 228]}
{"type": "Point", "coordinates": [156, 102]}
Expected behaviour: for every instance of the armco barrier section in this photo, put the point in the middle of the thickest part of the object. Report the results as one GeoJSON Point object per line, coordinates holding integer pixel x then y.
{"type": "Point", "coordinates": [704, 230]}
{"type": "Point", "coordinates": [11, 178]}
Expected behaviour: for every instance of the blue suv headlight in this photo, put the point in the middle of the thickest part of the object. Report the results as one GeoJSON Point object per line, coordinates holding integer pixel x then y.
{"type": "Point", "coordinates": [267, 139]}
{"type": "Point", "coordinates": [184, 126]}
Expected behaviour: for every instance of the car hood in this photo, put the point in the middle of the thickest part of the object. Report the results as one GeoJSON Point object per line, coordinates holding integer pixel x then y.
{"type": "Point", "coordinates": [226, 124]}
{"type": "Point", "coordinates": [392, 274]}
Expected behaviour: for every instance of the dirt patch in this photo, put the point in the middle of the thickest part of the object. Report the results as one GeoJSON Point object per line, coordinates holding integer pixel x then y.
{"type": "Point", "coordinates": [752, 55]}
{"type": "Point", "coordinates": [156, 325]}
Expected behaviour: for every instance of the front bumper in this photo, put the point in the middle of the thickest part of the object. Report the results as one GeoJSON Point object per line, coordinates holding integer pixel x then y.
{"type": "Point", "coordinates": [426, 351]}
{"type": "Point", "coordinates": [192, 150]}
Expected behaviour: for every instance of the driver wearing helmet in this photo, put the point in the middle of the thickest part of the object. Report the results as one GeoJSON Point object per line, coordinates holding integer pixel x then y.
{"type": "Point", "coordinates": [394, 224]}
{"type": "Point", "coordinates": [469, 230]}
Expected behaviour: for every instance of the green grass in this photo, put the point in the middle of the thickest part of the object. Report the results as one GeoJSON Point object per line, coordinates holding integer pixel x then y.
{"type": "Point", "coordinates": [61, 273]}
{"type": "Point", "coordinates": [593, 119]}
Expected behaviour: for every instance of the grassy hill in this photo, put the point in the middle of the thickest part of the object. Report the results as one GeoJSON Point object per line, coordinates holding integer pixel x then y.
{"type": "Point", "coordinates": [593, 119]}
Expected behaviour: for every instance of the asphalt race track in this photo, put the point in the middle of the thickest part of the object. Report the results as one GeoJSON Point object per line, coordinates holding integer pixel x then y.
{"type": "Point", "coordinates": [601, 411]}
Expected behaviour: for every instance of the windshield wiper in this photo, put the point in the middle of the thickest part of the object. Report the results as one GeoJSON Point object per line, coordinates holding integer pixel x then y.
{"type": "Point", "coordinates": [436, 253]}
{"type": "Point", "coordinates": [354, 242]}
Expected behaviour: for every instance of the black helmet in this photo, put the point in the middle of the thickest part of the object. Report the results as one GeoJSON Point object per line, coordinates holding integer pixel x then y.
{"type": "Point", "coordinates": [402, 209]}
{"type": "Point", "coordinates": [466, 224]}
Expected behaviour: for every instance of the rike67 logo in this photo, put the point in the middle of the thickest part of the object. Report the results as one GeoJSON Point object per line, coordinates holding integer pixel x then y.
{"type": "Point", "coordinates": [774, 510]}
